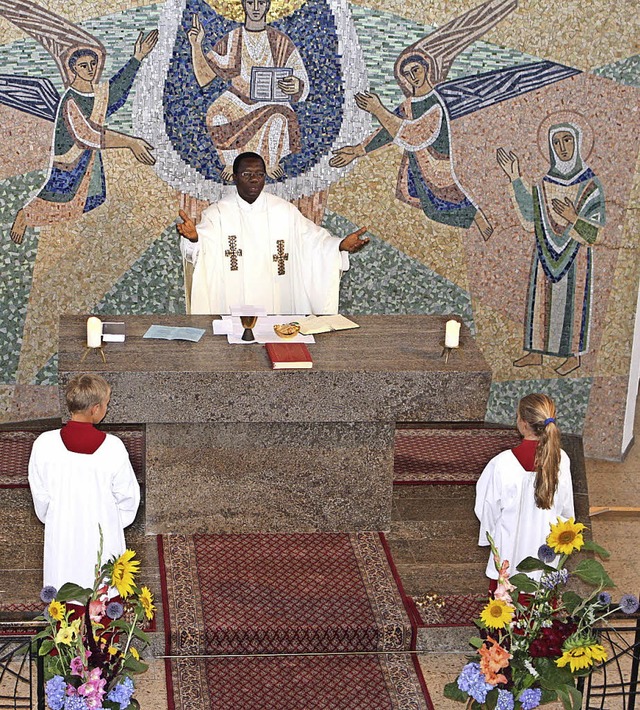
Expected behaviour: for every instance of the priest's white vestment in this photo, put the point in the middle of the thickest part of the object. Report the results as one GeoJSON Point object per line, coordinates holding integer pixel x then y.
{"type": "Point", "coordinates": [506, 507]}
{"type": "Point", "coordinates": [75, 493]}
{"type": "Point", "coordinates": [264, 253]}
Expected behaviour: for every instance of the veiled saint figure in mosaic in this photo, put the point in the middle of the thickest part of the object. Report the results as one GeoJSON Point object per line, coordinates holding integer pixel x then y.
{"type": "Point", "coordinates": [566, 211]}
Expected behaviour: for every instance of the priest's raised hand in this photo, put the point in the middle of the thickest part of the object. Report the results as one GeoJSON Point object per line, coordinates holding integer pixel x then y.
{"type": "Point", "coordinates": [187, 228]}
{"type": "Point", "coordinates": [353, 242]}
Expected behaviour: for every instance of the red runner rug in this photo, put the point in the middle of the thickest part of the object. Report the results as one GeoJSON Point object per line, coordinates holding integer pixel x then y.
{"type": "Point", "coordinates": [319, 594]}
{"type": "Point", "coordinates": [448, 610]}
{"type": "Point", "coordinates": [437, 456]}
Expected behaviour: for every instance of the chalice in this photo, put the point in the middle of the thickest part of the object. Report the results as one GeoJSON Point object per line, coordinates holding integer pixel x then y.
{"type": "Point", "coordinates": [248, 323]}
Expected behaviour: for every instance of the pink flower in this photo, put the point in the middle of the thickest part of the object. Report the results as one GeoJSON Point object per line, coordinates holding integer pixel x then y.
{"type": "Point", "coordinates": [93, 689]}
{"type": "Point", "coordinates": [76, 666]}
{"type": "Point", "coordinates": [504, 585]}
{"type": "Point", "coordinates": [97, 610]}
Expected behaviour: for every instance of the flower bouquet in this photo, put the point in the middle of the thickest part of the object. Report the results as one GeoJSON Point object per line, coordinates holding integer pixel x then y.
{"type": "Point", "coordinates": [537, 636]}
{"type": "Point", "coordinates": [91, 642]}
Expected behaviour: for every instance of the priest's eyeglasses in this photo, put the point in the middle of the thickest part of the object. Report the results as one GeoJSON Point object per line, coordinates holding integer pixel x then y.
{"type": "Point", "coordinates": [248, 175]}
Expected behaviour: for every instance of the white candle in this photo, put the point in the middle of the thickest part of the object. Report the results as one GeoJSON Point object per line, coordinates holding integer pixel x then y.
{"type": "Point", "coordinates": [94, 332]}
{"type": "Point", "coordinates": [452, 334]}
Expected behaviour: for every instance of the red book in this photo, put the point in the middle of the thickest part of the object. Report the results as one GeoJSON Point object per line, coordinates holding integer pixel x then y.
{"type": "Point", "coordinates": [288, 355]}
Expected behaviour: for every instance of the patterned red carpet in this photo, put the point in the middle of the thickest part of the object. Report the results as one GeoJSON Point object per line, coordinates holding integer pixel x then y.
{"type": "Point", "coordinates": [286, 594]}
{"type": "Point", "coordinates": [15, 449]}
{"type": "Point", "coordinates": [447, 455]}
{"type": "Point", "coordinates": [449, 610]}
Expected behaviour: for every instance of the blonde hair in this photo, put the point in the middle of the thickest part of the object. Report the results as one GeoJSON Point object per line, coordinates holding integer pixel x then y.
{"type": "Point", "coordinates": [85, 391]}
{"type": "Point", "coordinates": [539, 412]}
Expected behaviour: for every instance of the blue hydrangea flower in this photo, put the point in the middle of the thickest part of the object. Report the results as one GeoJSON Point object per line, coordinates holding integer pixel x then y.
{"type": "Point", "coordinates": [55, 689]}
{"type": "Point", "coordinates": [629, 603]}
{"type": "Point", "coordinates": [530, 698]}
{"type": "Point", "coordinates": [546, 554]}
{"type": "Point", "coordinates": [604, 598]}
{"type": "Point", "coordinates": [472, 682]}
{"type": "Point", "coordinates": [505, 700]}
{"type": "Point", "coordinates": [115, 610]}
{"type": "Point", "coordinates": [48, 594]}
{"type": "Point", "coordinates": [121, 693]}
{"type": "Point", "coordinates": [76, 702]}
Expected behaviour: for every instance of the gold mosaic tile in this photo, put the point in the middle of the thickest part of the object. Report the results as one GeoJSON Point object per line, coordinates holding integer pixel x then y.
{"type": "Point", "coordinates": [578, 34]}
{"type": "Point", "coordinates": [91, 255]}
{"type": "Point", "coordinates": [367, 197]}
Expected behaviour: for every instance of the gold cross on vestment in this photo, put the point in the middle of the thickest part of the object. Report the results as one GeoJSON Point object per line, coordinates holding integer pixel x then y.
{"type": "Point", "coordinates": [233, 252]}
{"type": "Point", "coordinates": [280, 256]}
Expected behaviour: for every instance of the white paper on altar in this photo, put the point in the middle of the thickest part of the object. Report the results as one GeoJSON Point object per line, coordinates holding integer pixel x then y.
{"type": "Point", "coordinates": [262, 331]}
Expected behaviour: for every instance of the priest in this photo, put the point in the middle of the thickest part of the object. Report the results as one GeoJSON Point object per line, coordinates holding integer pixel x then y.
{"type": "Point", "coordinates": [253, 248]}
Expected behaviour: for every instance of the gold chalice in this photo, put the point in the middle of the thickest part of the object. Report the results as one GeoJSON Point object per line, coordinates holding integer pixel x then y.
{"type": "Point", "coordinates": [248, 322]}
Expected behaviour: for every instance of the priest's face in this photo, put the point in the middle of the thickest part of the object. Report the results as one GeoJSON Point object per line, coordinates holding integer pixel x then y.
{"type": "Point", "coordinates": [250, 178]}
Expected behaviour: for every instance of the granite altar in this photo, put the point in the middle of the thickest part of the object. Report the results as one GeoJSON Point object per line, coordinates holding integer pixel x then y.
{"type": "Point", "coordinates": [234, 446]}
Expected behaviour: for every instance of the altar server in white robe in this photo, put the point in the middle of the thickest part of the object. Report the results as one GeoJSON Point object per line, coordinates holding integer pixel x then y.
{"type": "Point", "coordinates": [81, 480]}
{"type": "Point", "coordinates": [523, 490]}
{"type": "Point", "coordinates": [253, 248]}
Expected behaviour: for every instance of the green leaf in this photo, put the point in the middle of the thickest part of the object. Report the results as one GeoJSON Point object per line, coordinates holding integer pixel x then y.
{"type": "Point", "coordinates": [551, 676]}
{"type": "Point", "coordinates": [531, 564]}
{"type": "Point", "coordinates": [70, 591]}
{"type": "Point", "coordinates": [131, 664]}
{"type": "Point", "coordinates": [476, 641]}
{"type": "Point", "coordinates": [594, 547]}
{"type": "Point", "coordinates": [492, 699]}
{"type": "Point", "coordinates": [46, 647]}
{"type": "Point", "coordinates": [572, 601]}
{"type": "Point", "coordinates": [592, 572]}
{"type": "Point", "coordinates": [452, 692]}
{"type": "Point", "coordinates": [523, 583]}
{"type": "Point", "coordinates": [571, 698]}
{"type": "Point", "coordinates": [140, 634]}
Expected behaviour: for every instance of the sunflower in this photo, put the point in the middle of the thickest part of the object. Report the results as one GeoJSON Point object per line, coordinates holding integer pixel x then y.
{"type": "Point", "coordinates": [566, 536]}
{"type": "Point", "coordinates": [146, 599]}
{"type": "Point", "coordinates": [134, 652]}
{"type": "Point", "coordinates": [497, 614]}
{"type": "Point", "coordinates": [56, 610]}
{"type": "Point", "coordinates": [124, 569]}
{"type": "Point", "coordinates": [580, 657]}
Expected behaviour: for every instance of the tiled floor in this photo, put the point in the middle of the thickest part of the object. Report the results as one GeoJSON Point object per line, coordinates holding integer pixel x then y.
{"type": "Point", "coordinates": [434, 524]}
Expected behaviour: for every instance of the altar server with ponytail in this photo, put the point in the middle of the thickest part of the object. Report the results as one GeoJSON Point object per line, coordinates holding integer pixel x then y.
{"type": "Point", "coordinates": [523, 490]}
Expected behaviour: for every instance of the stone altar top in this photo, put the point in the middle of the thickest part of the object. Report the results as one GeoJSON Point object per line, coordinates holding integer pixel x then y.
{"type": "Point", "coordinates": [389, 369]}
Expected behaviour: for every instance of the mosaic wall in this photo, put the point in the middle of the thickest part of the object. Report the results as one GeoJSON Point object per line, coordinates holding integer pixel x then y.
{"type": "Point", "coordinates": [491, 149]}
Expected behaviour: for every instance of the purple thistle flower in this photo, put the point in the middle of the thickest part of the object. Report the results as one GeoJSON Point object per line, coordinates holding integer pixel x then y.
{"type": "Point", "coordinates": [48, 594]}
{"type": "Point", "coordinates": [604, 598]}
{"type": "Point", "coordinates": [530, 698]}
{"type": "Point", "coordinates": [550, 580]}
{"type": "Point", "coordinates": [629, 603]}
{"type": "Point", "coordinates": [55, 689]}
{"type": "Point", "coordinates": [546, 554]}
{"type": "Point", "coordinates": [505, 700]}
{"type": "Point", "coordinates": [115, 610]}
